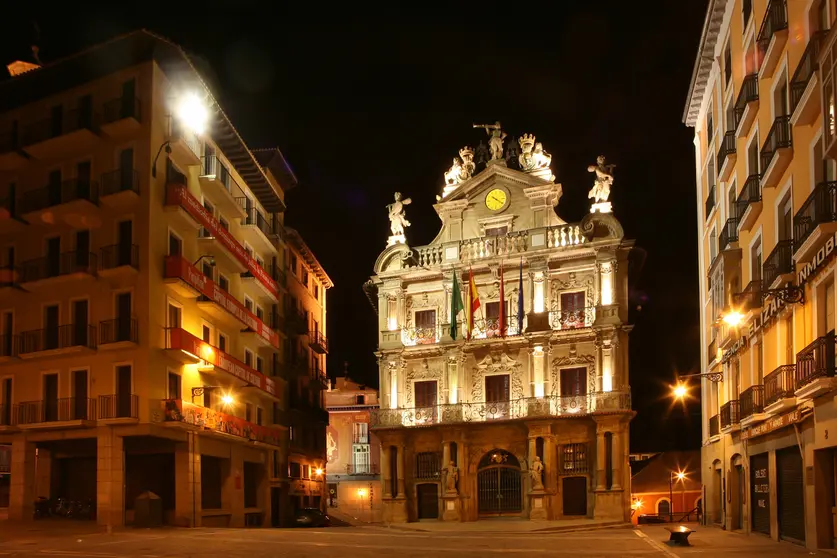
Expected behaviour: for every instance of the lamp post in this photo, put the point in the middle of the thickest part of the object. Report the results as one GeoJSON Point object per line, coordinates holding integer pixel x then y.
{"type": "Point", "coordinates": [671, 476]}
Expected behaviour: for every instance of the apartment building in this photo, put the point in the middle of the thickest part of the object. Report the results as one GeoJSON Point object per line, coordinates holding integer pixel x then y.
{"type": "Point", "coordinates": [523, 408]}
{"type": "Point", "coordinates": [762, 106]}
{"type": "Point", "coordinates": [143, 343]}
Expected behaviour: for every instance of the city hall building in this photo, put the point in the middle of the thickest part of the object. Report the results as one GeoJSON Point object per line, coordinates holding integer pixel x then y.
{"type": "Point", "coordinates": [153, 332]}
{"type": "Point", "coordinates": [521, 407]}
{"type": "Point", "coordinates": [762, 104]}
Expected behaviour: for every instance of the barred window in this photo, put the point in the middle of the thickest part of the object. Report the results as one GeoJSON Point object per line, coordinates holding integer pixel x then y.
{"type": "Point", "coordinates": [574, 459]}
{"type": "Point", "coordinates": [428, 465]}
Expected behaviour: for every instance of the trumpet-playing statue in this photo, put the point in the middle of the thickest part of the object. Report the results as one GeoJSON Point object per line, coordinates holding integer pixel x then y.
{"type": "Point", "coordinates": [496, 136]}
{"type": "Point", "coordinates": [601, 185]}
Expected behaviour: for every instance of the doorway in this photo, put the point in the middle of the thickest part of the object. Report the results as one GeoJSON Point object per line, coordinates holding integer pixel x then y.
{"type": "Point", "coordinates": [50, 409]}
{"type": "Point", "coordinates": [124, 329]}
{"type": "Point", "coordinates": [124, 399]}
{"type": "Point", "coordinates": [53, 256]}
{"type": "Point", "coordinates": [575, 495]}
{"type": "Point", "coordinates": [275, 506]}
{"type": "Point", "coordinates": [499, 487]}
{"type": "Point", "coordinates": [427, 495]}
{"type": "Point", "coordinates": [80, 323]}
{"type": "Point", "coordinates": [51, 329]}
{"type": "Point", "coordinates": [79, 402]}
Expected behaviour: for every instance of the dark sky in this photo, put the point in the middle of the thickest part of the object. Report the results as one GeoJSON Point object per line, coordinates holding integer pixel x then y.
{"type": "Point", "coordinates": [363, 106]}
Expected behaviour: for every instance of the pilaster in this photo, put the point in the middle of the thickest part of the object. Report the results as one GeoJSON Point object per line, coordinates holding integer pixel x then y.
{"type": "Point", "coordinates": [110, 478]}
{"type": "Point", "coordinates": [22, 480]}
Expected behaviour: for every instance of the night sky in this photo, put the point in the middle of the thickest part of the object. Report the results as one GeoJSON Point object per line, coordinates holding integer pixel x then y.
{"type": "Point", "coordinates": [362, 107]}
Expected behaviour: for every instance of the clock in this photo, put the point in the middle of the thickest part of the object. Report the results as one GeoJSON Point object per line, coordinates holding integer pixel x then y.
{"type": "Point", "coordinates": [496, 199]}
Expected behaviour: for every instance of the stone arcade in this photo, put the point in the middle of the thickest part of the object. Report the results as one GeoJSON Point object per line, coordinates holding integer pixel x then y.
{"type": "Point", "coordinates": [527, 412]}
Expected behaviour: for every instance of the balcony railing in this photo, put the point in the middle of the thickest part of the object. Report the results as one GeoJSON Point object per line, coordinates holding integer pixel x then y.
{"type": "Point", "coordinates": [729, 233]}
{"type": "Point", "coordinates": [50, 128]}
{"type": "Point", "coordinates": [296, 322]}
{"type": "Point", "coordinates": [60, 193]}
{"type": "Point", "coordinates": [256, 218]}
{"type": "Point", "coordinates": [750, 193]}
{"type": "Point", "coordinates": [819, 208]}
{"type": "Point", "coordinates": [806, 68]}
{"type": "Point", "coordinates": [815, 361]}
{"type": "Point", "coordinates": [421, 335]}
{"type": "Point", "coordinates": [176, 410]}
{"type": "Point", "coordinates": [710, 202]}
{"type": "Point", "coordinates": [118, 330]}
{"type": "Point", "coordinates": [727, 147]}
{"type": "Point", "coordinates": [778, 263]}
{"type": "Point", "coordinates": [122, 107]}
{"type": "Point", "coordinates": [360, 469]}
{"type": "Point", "coordinates": [572, 319]}
{"type": "Point", "coordinates": [714, 426]}
{"type": "Point", "coordinates": [729, 414]}
{"type": "Point", "coordinates": [525, 408]}
{"type": "Point", "coordinates": [750, 298]}
{"type": "Point", "coordinates": [60, 337]}
{"type": "Point", "coordinates": [120, 180]}
{"type": "Point", "coordinates": [118, 255]}
{"type": "Point", "coordinates": [56, 410]}
{"type": "Point", "coordinates": [749, 92]}
{"type": "Point", "coordinates": [779, 384]}
{"type": "Point", "coordinates": [752, 401]}
{"type": "Point", "coordinates": [317, 339]}
{"type": "Point", "coordinates": [775, 19]}
{"type": "Point", "coordinates": [67, 263]}
{"type": "Point", "coordinates": [120, 405]}
{"type": "Point", "coordinates": [780, 136]}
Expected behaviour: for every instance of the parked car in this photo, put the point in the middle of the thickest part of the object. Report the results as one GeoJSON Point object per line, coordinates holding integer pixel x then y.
{"type": "Point", "coordinates": [311, 517]}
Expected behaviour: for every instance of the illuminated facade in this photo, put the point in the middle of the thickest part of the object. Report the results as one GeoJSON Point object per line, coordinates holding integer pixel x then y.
{"type": "Point", "coordinates": [766, 192]}
{"type": "Point", "coordinates": [530, 419]}
{"type": "Point", "coordinates": [144, 335]}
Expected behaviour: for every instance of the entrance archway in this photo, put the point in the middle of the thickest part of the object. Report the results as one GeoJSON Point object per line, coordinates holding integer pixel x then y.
{"type": "Point", "coordinates": [499, 486]}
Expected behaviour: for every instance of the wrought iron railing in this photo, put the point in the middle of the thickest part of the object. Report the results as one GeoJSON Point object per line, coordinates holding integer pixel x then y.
{"type": "Point", "coordinates": [714, 425]}
{"type": "Point", "coordinates": [820, 207]}
{"type": "Point", "coordinates": [428, 465]}
{"type": "Point", "coordinates": [780, 136]}
{"type": "Point", "coordinates": [752, 401]}
{"type": "Point", "coordinates": [118, 330]}
{"type": "Point", "coordinates": [750, 298]}
{"type": "Point", "coordinates": [775, 19]}
{"type": "Point", "coordinates": [750, 193]}
{"type": "Point", "coordinates": [806, 68]}
{"type": "Point", "coordinates": [316, 337]}
{"type": "Point", "coordinates": [121, 107]}
{"type": "Point", "coordinates": [59, 193]}
{"type": "Point", "coordinates": [361, 469]}
{"type": "Point", "coordinates": [181, 132]}
{"type": "Point", "coordinates": [490, 327]}
{"type": "Point", "coordinates": [778, 263]}
{"type": "Point", "coordinates": [572, 319]}
{"type": "Point", "coordinates": [49, 128]}
{"type": "Point", "coordinates": [120, 180]}
{"type": "Point", "coordinates": [55, 410]}
{"type": "Point", "coordinates": [421, 335]}
{"type": "Point", "coordinates": [749, 92]}
{"type": "Point", "coordinates": [524, 408]}
{"type": "Point", "coordinates": [815, 361]}
{"type": "Point", "coordinates": [727, 147]}
{"type": "Point", "coordinates": [729, 413]}
{"type": "Point", "coordinates": [729, 234]}
{"type": "Point", "coordinates": [295, 321]}
{"type": "Point", "coordinates": [256, 218]}
{"type": "Point", "coordinates": [779, 384]}
{"type": "Point", "coordinates": [60, 337]}
{"type": "Point", "coordinates": [118, 255]}
{"type": "Point", "coordinates": [67, 263]}
{"type": "Point", "coordinates": [119, 405]}
{"type": "Point", "coordinates": [710, 201]}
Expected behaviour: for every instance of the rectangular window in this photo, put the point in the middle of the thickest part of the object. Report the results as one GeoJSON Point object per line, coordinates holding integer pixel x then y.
{"type": "Point", "coordinates": [175, 245]}
{"type": "Point", "coordinates": [248, 358]}
{"type": "Point", "coordinates": [428, 465]}
{"type": "Point", "coordinates": [174, 386]}
{"type": "Point", "coordinates": [248, 412]}
{"type": "Point", "coordinates": [260, 364]}
{"type": "Point", "coordinates": [305, 277]}
{"type": "Point", "coordinates": [361, 463]}
{"type": "Point", "coordinates": [306, 471]}
{"type": "Point", "coordinates": [497, 388]}
{"type": "Point", "coordinates": [295, 470]}
{"type": "Point", "coordinates": [727, 64]}
{"type": "Point", "coordinates": [316, 292]}
{"type": "Point", "coordinates": [573, 382]}
{"type": "Point", "coordinates": [713, 245]}
{"type": "Point", "coordinates": [755, 261]}
{"type": "Point", "coordinates": [574, 459]}
{"type": "Point", "coordinates": [259, 416]}
{"type": "Point", "coordinates": [293, 264]}
{"type": "Point", "coordinates": [425, 393]}
{"type": "Point", "coordinates": [360, 400]}
{"type": "Point", "coordinates": [224, 283]}
{"type": "Point", "coordinates": [248, 304]}
{"type": "Point", "coordinates": [360, 433]}
{"type": "Point", "coordinates": [222, 342]}
{"type": "Point", "coordinates": [710, 127]}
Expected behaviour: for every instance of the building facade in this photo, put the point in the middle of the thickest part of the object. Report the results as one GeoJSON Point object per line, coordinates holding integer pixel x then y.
{"type": "Point", "coordinates": [144, 341]}
{"type": "Point", "coordinates": [353, 451]}
{"type": "Point", "coordinates": [762, 106]}
{"type": "Point", "coordinates": [526, 413]}
{"type": "Point", "coordinates": [668, 486]}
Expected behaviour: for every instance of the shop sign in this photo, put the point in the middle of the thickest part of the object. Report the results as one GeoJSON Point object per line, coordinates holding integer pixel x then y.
{"type": "Point", "coordinates": [772, 424]}
{"type": "Point", "coordinates": [176, 410]}
{"type": "Point", "coordinates": [737, 346]}
{"type": "Point", "coordinates": [811, 268]}
{"type": "Point", "coordinates": [177, 194]}
{"type": "Point", "coordinates": [178, 267]}
{"type": "Point", "coordinates": [768, 313]}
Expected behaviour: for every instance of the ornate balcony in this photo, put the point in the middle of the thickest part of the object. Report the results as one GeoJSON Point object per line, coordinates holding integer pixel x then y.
{"type": "Point", "coordinates": [429, 335]}
{"type": "Point", "coordinates": [710, 202]}
{"type": "Point", "coordinates": [76, 198]}
{"type": "Point", "coordinates": [727, 156]}
{"type": "Point", "coordinates": [62, 135]}
{"type": "Point", "coordinates": [815, 368]}
{"type": "Point", "coordinates": [68, 411]}
{"type": "Point", "coordinates": [777, 151]}
{"type": "Point", "coordinates": [189, 415]}
{"type": "Point", "coordinates": [553, 406]}
{"type": "Point", "coordinates": [46, 272]}
{"type": "Point", "coordinates": [748, 205]}
{"type": "Point", "coordinates": [118, 406]}
{"type": "Point", "coordinates": [714, 426]}
{"type": "Point", "coordinates": [805, 95]}
{"type": "Point", "coordinates": [729, 415]}
{"type": "Point", "coordinates": [779, 388]}
{"type": "Point", "coordinates": [122, 116]}
{"type": "Point", "coordinates": [778, 266]}
{"type": "Point", "coordinates": [57, 340]}
{"type": "Point", "coordinates": [729, 234]}
{"type": "Point", "coordinates": [746, 105]}
{"type": "Point", "coordinates": [772, 36]}
{"type": "Point", "coordinates": [185, 145]}
{"type": "Point", "coordinates": [572, 319]}
{"type": "Point", "coordinates": [752, 402]}
{"type": "Point", "coordinates": [815, 222]}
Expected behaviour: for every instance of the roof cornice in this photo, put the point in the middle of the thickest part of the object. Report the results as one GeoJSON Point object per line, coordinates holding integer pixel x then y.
{"type": "Point", "coordinates": [704, 60]}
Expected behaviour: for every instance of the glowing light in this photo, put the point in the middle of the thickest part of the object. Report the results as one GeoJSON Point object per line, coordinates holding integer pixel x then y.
{"type": "Point", "coordinates": [539, 302]}
{"type": "Point", "coordinates": [637, 504]}
{"type": "Point", "coordinates": [207, 353]}
{"type": "Point", "coordinates": [227, 399]}
{"type": "Point", "coordinates": [680, 391]}
{"type": "Point", "coordinates": [680, 475]}
{"type": "Point", "coordinates": [318, 471]}
{"type": "Point", "coordinates": [361, 493]}
{"type": "Point", "coordinates": [192, 113]}
{"type": "Point", "coordinates": [733, 318]}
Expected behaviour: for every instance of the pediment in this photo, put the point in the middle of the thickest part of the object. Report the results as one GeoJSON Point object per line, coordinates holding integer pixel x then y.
{"type": "Point", "coordinates": [492, 175]}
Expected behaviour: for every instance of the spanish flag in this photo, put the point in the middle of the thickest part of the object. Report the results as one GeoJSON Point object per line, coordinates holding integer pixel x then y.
{"type": "Point", "coordinates": [473, 301]}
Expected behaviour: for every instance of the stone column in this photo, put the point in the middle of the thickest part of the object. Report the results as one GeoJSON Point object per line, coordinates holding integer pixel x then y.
{"type": "Point", "coordinates": [22, 480]}
{"type": "Point", "coordinates": [233, 495]}
{"type": "Point", "coordinates": [187, 475]}
{"type": "Point", "coordinates": [445, 457]}
{"type": "Point", "coordinates": [533, 451]}
{"type": "Point", "coordinates": [110, 478]}
{"type": "Point", "coordinates": [400, 471]}
{"type": "Point", "coordinates": [386, 471]}
{"type": "Point", "coordinates": [600, 458]}
{"type": "Point", "coordinates": [616, 459]}
{"type": "Point", "coordinates": [43, 473]}
{"type": "Point", "coordinates": [549, 464]}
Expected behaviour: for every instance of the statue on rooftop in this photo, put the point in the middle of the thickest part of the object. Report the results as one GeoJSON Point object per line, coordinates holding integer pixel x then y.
{"type": "Point", "coordinates": [397, 219]}
{"type": "Point", "coordinates": [496, 136]}
{"type": "Point", "coordinates": [601, 185]}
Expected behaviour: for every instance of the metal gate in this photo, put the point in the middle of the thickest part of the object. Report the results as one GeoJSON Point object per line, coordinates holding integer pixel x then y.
{"type": "Point", "coordinates": [499, 487]}
{"type": "Point", "coordinates": [791, 496]}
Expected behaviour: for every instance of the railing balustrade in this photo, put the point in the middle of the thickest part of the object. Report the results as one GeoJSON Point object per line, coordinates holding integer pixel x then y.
{"type": "Point", "coordinates": [573, 318]}
{"type": "Point", "coordinates": [749, 92]}
{"type": "Point", "coordinates": [778, 263]}
{"type": "Point", "coordinates": [815, 361]}
{"type": "Point", "coordinates": [750, 193]}
{"type": "Point", "coordinates": [820, 207]}
{"type": "Point", "coordinates": [780, 136]}
{"type": "Point", "coordinates": [60, 337]}
{"type": "Point", "coordinates": [119, 405]}
{"type": "Point", "coordinates": [67, 263]}
{"type": "Point", "coordinates": [55, 410]}
{"type": "Point", "coordinates": [775, 19]}
{"type": "Point", "coordinates": [730, 414]}
{"type": "Point", "coordinates": [752, 401]}
{"type": "Point", "coordinates": [729, 233]}
{"type": "Point", "coordinates": [779, 384]}
{"type": "Point", "coordinates": [59, 193]}
{"type": "Point", "coordinates": [806, 68]}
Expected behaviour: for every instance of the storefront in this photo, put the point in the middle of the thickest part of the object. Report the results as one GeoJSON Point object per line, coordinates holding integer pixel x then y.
{"type": "Point", "coordinates": [760, 493]}
{"type": "Point", "coordinates": [790, 491]}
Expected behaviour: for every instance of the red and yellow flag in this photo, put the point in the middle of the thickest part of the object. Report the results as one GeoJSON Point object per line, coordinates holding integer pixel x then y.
{"type": "Point", "coordinates": [473, 301]}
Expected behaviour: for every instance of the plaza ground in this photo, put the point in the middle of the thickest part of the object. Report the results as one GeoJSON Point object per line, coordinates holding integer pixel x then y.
{"type": "Point", "coordinates": [483, 538]}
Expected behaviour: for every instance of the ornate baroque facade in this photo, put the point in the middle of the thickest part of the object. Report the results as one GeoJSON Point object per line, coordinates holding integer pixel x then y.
{"type": "Point", "coordinates": [531, 423]}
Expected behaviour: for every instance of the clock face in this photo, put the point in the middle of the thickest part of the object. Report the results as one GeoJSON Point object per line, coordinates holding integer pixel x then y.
{"type": "Point", "coordinates": [496, 199]}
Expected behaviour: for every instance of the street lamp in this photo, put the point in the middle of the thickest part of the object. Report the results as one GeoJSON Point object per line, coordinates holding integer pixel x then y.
{"type": "Point", "coordinates": [733, 318]}
{"type": "Point", "coordinates": [680, 391]}
{"type": "Point", "coordinates": [680, 476]}
{"type": "Point", "coordinates": [318, 471]}
{"type": "Point", "coordinates": [226, 398]}
{"type": "Point", "coordinates": [192, 114]}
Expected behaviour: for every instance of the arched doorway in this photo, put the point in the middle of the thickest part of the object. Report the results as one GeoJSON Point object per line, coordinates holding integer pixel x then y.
{"type": "Point", "coordinates": [499, 486]}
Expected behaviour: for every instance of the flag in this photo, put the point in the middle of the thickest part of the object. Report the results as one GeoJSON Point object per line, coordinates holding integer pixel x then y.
{"type": "Point", "coordinates": [456, 305]}
{"type": "Point", "coordinates": [502, 323]}
{"type": "Point", "coordinates": [473, 301]}
{"type": "Point", "coordinates": [520, 300]}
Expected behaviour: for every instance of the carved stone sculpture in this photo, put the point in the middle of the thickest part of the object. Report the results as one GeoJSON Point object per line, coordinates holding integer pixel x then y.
{"type": "Point", "coordinates": [496, 136]}
{"type": "Point", "coordinates": [397, 219]}
{"type": "Point", "coordinates": [452, 175]}
{"type": "Point", "coordinates": [482, 154]}
{"type": "Point", "coordinates": [452, 478]}
{"type": "Point", "coordinates": [542, 158]}
{"type": "Point", "coordinates": [526, 160]}
{"type": "Point", "coordinates": [461, 170]}
{"type": "Point", "coordinates": [536, 472]}
{"type": "Point", "coordinates": [601, 185]}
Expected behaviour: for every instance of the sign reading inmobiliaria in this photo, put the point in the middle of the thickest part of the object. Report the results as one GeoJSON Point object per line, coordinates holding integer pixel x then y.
{"type": "Point", "coordinates": [185, 341]}
{"type": "Point", "coordinates": [176, 410]}
{"type": "Point", "coordinates": [177, 194]}
{"type": "Point", "coordinates": [177, 267]}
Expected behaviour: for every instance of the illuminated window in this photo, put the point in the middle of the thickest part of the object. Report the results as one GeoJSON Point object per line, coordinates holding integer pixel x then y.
{"type": "Point", "coordinates": [574, 459]}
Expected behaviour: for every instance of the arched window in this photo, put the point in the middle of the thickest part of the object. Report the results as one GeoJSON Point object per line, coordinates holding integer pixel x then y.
{"type": "Point", "coordinates": [663, 507]}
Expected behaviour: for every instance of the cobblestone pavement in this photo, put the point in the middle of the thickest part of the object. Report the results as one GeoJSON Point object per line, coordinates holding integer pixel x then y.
{"type": "Point", "coordinates": [372, 541]}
